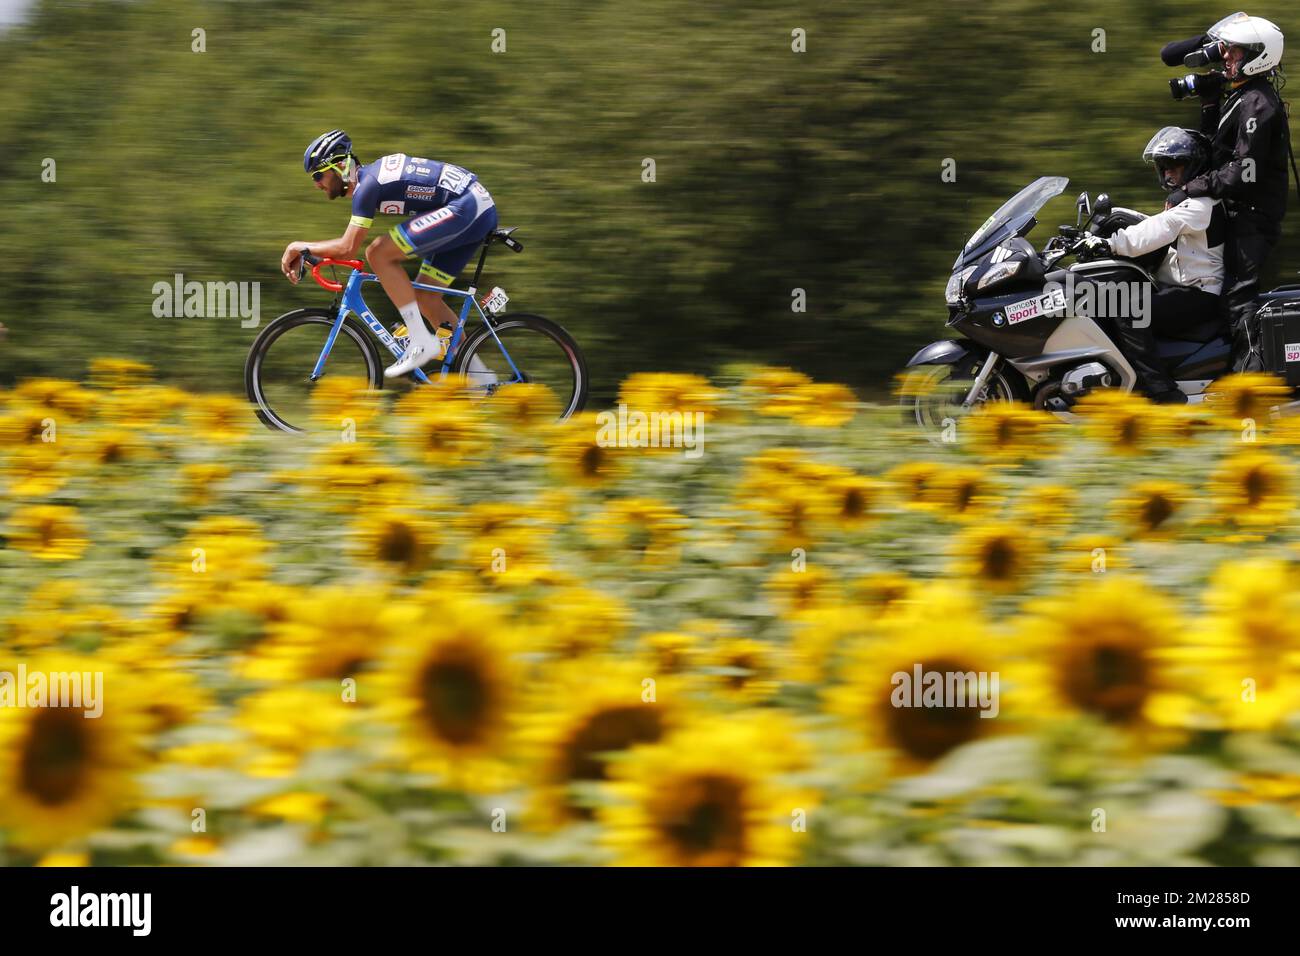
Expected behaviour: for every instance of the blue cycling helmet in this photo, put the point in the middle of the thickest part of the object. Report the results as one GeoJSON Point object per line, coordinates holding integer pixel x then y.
{"type": "Point", "coordinates": [326, 147]}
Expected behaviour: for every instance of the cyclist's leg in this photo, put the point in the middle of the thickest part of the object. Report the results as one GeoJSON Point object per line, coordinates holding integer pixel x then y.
{"type": "Point", "coordinates": [449, 227]}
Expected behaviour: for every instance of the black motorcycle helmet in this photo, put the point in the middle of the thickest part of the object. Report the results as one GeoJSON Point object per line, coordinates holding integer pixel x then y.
{"type": "Point", "coordinates": [1175, 146]}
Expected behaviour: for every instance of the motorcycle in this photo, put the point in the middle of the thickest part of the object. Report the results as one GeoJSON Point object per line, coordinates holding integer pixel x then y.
{"type": "Point", "coordinates": [1034, 331]}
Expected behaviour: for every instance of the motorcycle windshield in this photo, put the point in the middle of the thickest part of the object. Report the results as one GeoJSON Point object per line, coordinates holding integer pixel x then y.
{"type": "Point", "coordinates": [1010, 218]}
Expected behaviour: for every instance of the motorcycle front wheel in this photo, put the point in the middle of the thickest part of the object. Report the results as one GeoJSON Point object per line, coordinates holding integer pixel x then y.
{"type": "Point", "coordinates": [931, 396]}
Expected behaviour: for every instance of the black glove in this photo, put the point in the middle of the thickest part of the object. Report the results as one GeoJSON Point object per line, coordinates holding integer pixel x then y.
{"type": "Point", "coordinates": [1175, 198]}
{"type": "Point", "coordinates": [1209, 86]}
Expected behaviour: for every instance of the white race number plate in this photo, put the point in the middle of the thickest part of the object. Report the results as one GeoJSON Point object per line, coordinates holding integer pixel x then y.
{"type": "Point", "coordinates": [1047, 304]}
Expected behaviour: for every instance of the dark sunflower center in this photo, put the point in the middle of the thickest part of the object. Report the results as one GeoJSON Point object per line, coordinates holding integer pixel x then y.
{"type": "Point", "coordinates": [708, 820]}
{"type": "Point", "coordinates": [1108, 679]}
{"type": "Point", "coordinates": [1156, 510]}
{"type": "Point", "coordinates": [55, 761]}
{"type": "Point", "coordinates": [607, 731]}
{"type": "Point", "coordinates": [456, 699]}
{"type": "Point", "coordinates": [1256, 486]}
{"type": "Point", "coordinates": [398, 544]}
{"type": "Point", "coordinates": [591, 461]}
{"type": "Point", "coordinates": [928, 733]}
{"type": "Point", "coordinates": [999, 559]}
{"type": "Point", "coordinates": [855, 503]}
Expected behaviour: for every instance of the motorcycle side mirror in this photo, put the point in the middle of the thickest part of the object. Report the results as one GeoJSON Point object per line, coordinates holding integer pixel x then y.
{"type": "Point", "coordinates": [1085, 209]}
{"type": "Point", "coordinates": [1101, 208]}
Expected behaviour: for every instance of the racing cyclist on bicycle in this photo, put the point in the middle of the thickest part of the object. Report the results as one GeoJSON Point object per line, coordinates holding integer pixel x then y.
{"type": "Point", "coordinates": [450, 215]}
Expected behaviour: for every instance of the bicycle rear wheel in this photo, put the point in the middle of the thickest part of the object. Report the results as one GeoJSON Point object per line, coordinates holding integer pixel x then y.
{"type": "Point", "coordinates": [541, 351]}
{"type": "Point", "coordinates": [277, 375]}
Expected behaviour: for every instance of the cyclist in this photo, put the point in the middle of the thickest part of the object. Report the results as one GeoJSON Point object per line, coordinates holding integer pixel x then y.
{"type": "Point", "coordinates": [450, 215]}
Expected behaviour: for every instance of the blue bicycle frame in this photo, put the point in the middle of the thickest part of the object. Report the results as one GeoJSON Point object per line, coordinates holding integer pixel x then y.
{"type": "Point", "coordinates": [353, 302]}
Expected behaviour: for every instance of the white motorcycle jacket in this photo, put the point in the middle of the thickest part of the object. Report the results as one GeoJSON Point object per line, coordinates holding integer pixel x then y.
{"type": "Point", "coordinates": [1197, 229]}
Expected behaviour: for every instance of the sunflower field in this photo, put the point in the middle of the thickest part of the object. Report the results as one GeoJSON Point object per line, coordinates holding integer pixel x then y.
{"type": "Point", "coordinates": [438, 630]}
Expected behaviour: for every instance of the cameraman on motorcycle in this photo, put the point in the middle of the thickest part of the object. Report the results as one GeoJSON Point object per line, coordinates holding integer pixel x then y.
{"type": "Point", "coordinates": [1252, 143]}
{"type": "Point", "coordinates": [1190, 278]}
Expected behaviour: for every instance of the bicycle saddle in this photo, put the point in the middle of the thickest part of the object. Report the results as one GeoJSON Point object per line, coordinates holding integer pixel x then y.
{"type": "Point", "coordinates": [503, 235]}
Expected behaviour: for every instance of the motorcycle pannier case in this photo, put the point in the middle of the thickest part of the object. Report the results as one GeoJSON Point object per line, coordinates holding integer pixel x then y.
{"type": "Point", "coordinates": [1280, 338]}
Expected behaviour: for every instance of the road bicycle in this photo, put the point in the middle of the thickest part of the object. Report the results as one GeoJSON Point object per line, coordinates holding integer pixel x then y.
{"type": "Point", "coordinates": [345, 338]}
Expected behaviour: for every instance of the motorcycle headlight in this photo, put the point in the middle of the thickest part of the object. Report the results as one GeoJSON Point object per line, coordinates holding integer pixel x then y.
{"type": "Point", "coordinates": [1003, 270]}
{"type": "Point", "coordinates": [956, 283]}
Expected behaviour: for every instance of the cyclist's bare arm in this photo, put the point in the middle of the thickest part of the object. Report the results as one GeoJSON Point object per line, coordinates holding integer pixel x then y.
{"type": "Point", "coordinates": [344, 247]}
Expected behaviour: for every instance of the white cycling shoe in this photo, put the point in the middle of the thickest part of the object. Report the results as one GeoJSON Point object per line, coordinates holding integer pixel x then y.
{"type": "Point", "coordinates": [416, 356]}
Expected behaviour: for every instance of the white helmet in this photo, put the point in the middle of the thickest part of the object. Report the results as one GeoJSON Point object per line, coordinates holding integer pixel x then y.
{"type": "Point", "coordinates": [1261, 38]}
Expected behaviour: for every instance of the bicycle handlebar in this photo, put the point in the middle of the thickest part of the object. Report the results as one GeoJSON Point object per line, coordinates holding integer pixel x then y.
{"type": "Point", "coordinates": [307, 259]}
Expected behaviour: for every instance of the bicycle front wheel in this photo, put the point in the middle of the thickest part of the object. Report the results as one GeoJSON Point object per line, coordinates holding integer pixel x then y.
{"type": "Point", "coordinates": [526, 348]}
{"type": "Point", "coordinates": [277, 375]}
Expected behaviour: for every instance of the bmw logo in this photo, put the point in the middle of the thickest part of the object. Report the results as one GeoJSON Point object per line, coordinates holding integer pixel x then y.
{"type": "Point", "coordinates": [999, 319]}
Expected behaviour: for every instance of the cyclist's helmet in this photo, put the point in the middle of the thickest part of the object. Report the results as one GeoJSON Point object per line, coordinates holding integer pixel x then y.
{"type": "Point", "coordinates": [326, 149]}
{"type": "Point", "coordinates": [1261, 39]}
{"type": "Point", "coordinates": [1174, 146]}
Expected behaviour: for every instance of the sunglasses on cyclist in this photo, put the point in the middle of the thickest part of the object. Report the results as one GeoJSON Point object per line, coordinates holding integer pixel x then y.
{"type": "Point", "coordinates": [320, 171]}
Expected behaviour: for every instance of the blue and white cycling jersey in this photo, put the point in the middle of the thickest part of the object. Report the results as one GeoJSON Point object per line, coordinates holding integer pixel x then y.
{"type": "Point", "coordinates": [403, 185]}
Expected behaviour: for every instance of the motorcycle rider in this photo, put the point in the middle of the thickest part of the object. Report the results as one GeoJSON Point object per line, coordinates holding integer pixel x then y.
{"type": "Point", "coordinates": [1190, 278]}
{"type": "Point", "coordinates": [1252, 144]}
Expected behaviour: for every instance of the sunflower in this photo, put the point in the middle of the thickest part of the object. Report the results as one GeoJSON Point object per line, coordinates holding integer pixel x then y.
{"type": "Point", "coordinates": [112, 373]}
{"type": "Point", "coordinates": [1252, 489]}
{"type": "Point", "coordinates": [1047, 507]}
{"type": "Point", "coordinates": [218, 553]}
{"type": "Point", "coordinates": [25, 424]}
{"type": "Point", "coordinates": [668, 392]}
{"type": "Point", "coordinates": [525, 407]}
{"type": "Point", "coordinates": [110, 447]}
{"type": "Point", "coordinates": [687, 800]}
{"type": "Point", "coordinates": [912, 480]}
{"type": "Point", "coordinates": [797, 592]}
{"type": "Point", "coordinates": [337, 400]}
{"type": "Point", "coordinates": [819, 636]}
{"type": "Point", "coordinates": [1235, 398]}
{"type": "Point", "coordinates": [70, 399]}
{"type": "Point", "coordinates": [394, 540]}
{"type": "Point", "coordinates": [963, 493]}
{"type": "Point", "coordinates": [452, 435]}
{"type": "Point", "coordinates": [1000, 557]}
{"type": "Point", "coordinates": [1092, 554]}
{"type": "Point", "coordinates": [792, 516]}
{"type": "Point", "coordinates": [579, 714]}
{"type": "Point", "coordinates": [63, 775]}
{"type": "Point", "coordinates": [220, 419]}
{"type": "Point", "coordinates": [1124, 422]}
{"type": "Point", "coordinates": [506, 536]}
{"type": "Point", "coordinates": [882, 593]}
{"type": "Point", "coordinates": [819, 405]}
{"type": "Point", "coordinates": [942, 633]}
{"type": "Point", "coordinates": [50, 532]}
{"type": "Point", "coordinates": [571, 622]}
{"type": "Point", "coordinates": [285, 724]}
{"type": "Point", "coordinates": [672, 652]}
{"type": "Point", "coordinates": [1106, 649]}
{"type": "Point", "coordinates": [36, 470]}
{"type": "Point", "coordinates": [1249, 644]}
{"type": "Point", "coordinates": [330, 633]}
{"type": "Point", "coordinates": [646, 530]}
{"type": "Point", "coordinates": [773, 388]}
{"type": "Point", "coordinates": [196, 481]}
{"type": "Point", "coordinates": [1009, 431]}
{"type": "Point", "coordinates": [744, 670]}
{"type": "Point", "coordinates": [1154, 509]}
{"type": "Point", "coordinates": [854, 499]}
{"type": "Point", "coordinates": [576, 453]}
{"type": "Point", "coordinates": [451, 684]}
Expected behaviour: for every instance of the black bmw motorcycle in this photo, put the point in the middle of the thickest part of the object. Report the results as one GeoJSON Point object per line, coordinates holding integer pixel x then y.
{"type": "Point", "coordinates": [1035, 331]}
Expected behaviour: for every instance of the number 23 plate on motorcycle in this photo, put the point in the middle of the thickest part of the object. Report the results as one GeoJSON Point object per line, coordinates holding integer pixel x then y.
{"type": "Point", "coordinates": [1045, 304]}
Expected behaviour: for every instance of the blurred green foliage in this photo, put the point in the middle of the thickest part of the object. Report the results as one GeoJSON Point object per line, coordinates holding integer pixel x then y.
{"type": "Point", "coordinates": [776, 170]}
